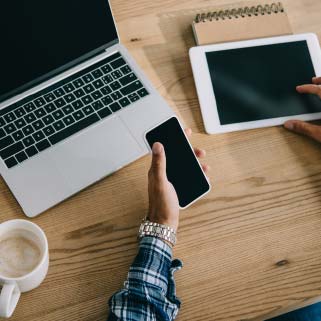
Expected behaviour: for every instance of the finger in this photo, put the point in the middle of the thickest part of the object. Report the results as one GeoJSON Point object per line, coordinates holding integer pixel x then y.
{"type": "Point", "coordinates": [200, 153]}
{"type": "Point", "coordinates": [206, 168]}
{"type": "Point", "coordinates": [158, 168]}
{"type": "Point", "coordinates": [309, 89]}
{"type": "Point", "coordinates": [304, 128]}
{"type": "Point", "coordinates": [316, 80]}
{"type": "Point", "coordinates": [188, 131]}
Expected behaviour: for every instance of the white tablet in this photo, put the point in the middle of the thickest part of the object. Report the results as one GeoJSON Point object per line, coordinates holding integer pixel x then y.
{"type": "Point", "coordinates": [251, 84]}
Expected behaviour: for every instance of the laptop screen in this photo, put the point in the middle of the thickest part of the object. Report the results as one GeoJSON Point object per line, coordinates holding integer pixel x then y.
{"type": "Point", "coordinates": [40, 38]}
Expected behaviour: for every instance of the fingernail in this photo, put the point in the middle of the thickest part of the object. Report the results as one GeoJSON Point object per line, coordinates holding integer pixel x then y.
{"type": "Point", "coordinates": [157, 148]}
{"type": "Point", "coordinates": [289, 125]}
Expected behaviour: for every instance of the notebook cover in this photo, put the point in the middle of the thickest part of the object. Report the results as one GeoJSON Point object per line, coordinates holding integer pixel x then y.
{"type": "Point", "coordinates": [234, 24]}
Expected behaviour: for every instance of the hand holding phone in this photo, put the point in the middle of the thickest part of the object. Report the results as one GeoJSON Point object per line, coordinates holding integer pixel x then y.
{"type": "Point", "coordinates": [182, 166]}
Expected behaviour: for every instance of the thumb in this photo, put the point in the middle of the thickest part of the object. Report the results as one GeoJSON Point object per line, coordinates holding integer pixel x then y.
{"type": "Point", "coordinates": [159, 161]}
{"type": "Point", "coordinates": [304, 128]}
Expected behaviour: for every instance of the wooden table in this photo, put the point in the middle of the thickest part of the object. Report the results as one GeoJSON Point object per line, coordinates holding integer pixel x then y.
{"type": "Point", "coordinates": [250, 247]}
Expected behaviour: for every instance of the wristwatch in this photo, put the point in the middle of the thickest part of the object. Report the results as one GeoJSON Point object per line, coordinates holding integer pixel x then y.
{"type": "Point", "coordinates": [161, 231]}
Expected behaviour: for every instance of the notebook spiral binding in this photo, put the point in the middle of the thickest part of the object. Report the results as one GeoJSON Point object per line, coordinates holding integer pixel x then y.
{"type": "Point", "coordinates": [240, 12]}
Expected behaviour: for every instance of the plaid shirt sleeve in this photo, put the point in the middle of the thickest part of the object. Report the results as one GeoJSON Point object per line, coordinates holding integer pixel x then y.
{"type": "Point", "coordinates": [149, 293]}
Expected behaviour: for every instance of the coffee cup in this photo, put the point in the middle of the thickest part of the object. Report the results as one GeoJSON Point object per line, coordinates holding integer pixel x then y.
{"type": "Point", "coordinates": [24, 261]}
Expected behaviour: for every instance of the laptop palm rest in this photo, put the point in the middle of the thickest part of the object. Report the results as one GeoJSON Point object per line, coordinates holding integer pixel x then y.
{"type": "Point", "coordinates": [101, 151]}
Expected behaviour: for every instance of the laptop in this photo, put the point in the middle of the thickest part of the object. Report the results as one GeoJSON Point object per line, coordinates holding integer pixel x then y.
{"type": "Point", "coordinates": [74, 105]}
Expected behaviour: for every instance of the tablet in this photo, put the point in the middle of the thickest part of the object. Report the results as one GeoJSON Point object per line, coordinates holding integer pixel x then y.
{"type": "Point", "coordinates": [251, 84]}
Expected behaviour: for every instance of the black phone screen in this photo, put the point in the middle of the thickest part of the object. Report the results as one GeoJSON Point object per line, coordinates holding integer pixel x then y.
{"type": "Point", "coordinates": [182, 167]}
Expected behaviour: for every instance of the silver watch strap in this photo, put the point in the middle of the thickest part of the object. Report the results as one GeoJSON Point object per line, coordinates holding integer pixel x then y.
{"type": "Point", "coordinates": [161, 231]}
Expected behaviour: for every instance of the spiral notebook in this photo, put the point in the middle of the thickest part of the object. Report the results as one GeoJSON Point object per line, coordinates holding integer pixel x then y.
{"type": "Point", "coordinates": [241, 23]}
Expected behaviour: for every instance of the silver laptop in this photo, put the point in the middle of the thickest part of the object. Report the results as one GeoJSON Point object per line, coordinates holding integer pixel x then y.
{"type": "Point", "coordinates": [74, 104]}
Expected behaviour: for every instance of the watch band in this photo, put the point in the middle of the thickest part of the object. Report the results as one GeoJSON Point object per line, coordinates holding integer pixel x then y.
{"type": "Point", "coordinates": [161, 231]}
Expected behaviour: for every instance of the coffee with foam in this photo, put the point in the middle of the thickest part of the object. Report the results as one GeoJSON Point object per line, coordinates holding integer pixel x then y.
{"type": "Point", "coordinates": [19, 254]}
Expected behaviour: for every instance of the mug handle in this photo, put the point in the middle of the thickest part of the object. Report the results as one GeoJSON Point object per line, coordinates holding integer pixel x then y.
{"type": "Point", "coordinates": [9, 298]}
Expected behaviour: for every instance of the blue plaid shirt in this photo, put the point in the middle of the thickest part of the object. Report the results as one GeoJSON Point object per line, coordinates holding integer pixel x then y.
{"type": "Point", "coordinates": [149, 293]}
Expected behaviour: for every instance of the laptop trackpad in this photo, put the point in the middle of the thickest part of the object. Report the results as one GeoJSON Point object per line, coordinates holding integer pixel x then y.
{"type": "Point", "coordinates": [92, 155]}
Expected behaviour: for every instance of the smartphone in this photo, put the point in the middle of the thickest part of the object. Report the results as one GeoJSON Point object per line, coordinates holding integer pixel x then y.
{"type": "Point", "coordinates": [182, 166]}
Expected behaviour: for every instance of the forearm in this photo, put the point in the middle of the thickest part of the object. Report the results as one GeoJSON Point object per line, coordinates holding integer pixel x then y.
{"type": "Point", "coordinates": [149, 292]}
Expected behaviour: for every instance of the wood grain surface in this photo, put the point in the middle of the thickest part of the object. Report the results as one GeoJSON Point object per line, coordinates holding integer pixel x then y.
{"type": "Point", "coordinates": [251, 247]}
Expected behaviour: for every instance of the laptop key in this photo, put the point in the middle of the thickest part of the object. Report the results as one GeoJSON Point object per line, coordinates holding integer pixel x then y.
{"type": "Point", "coordinates": [97, 73]}
{"type": "Point", "coordinates": [20, 123]}
{"type": "Point", "coordinates": [11, 162]}
{"type": "Point", "coordinates": [78, 104]}
{"type": "Point", "coordinates": [28, 141]}
{"type": "Point", "coordinates": [68, 120]}
{"type": "Point", "coordinates": [118, 63]}
{"type": "Point", "coordinates": [11, 150]}
{"type": "Point", "coordinates": [78, 83]}
{"type": "Point", "coordinates": [106, 69]}
{"type": "Point", "coordinates": [68, 109]}
{"type": "Point", "coordinates": [69, 88]}
{"type": "Point", "coordinates": [40, 102]}
{"type": "Point", "coordinates": [28, 130]}
{"type": "Point", "coordinates": [10, 117]}
{"type": "Point", "coordinates": [73, 129]}
{"type": "Point", "coordinates": [49, 130]}
{"type": "Point", "coordinates": [20, 112]}
{"type": "Point", "coordinates": [59, 125]}
{"type": "Point", "coordinates": [48, 119]}
{"type": "Point", "coordinates": [106, 90]}
{"type": "Point", "coordinates": [88, 110]}
{"type": "Point", "coordinates": [97, 94]}
{"type": "Point", "coordinates": [38, 136]}
{"type": "Point", "coordinates": [49, 97]}
{"type": "Point", "coordinates": [97, 105]}
{"type": "Point", "coordinates": [29, 107]}
{"type": "Point", "coordinates": [18, 135]}
{"type": "Point", "coordinates": [89, 89]}
{"type": "Point", "coordinates": [107, 100]}
{"type": "Point", "coordinates": [88, 78]}
{"type": "Point", "coordinates": [124, 102]}
{"type": "Point", "coordinates": [116, 95]}
{"type": "Point", "coordinates": [98, 84]}
{"type": "Point", "coordinates": [127, 79]}
{"type": "Point", "coordinates": [104, 113]}
{"type": "Point", "coordinates": [133, 97]}
{"type": "Point", "coordinates": [10, 128]}
{"type": "Point", "coordinates": [79, 93]}
{"type": "Point", "coordinates": [115, 85]}
{"type": "Point", "coordinates": [2, 122]}
{"type": "Point", "coordinates": [31, 151]}
{"type": "Point", "coordinates": [70, 98]}
{"type": "Point", "coordinates": [60, 103]}
{"type": "Point", "coordinates": [50, 108]}
{"type": "Point", "coordinates": [107, 79]}
{"type": "Point", "coordinates": [125, 70]}
{"type": "Point", "coordinates": [5, 142]}
{"type": "Point", "coordinates": [58, 114]}
{"type": "Point", "coordinates": [87, 100]}
{"type": "Point", "coordinates": [115, 107]}
{"type": "Point", "coordinates": [78, 115]}
{"type": "Point", "coordinates": [38, 124]}
{"type": "Point", "coordinates": [131, 88]}
{"type": "Point", "coordinates": [44, 144]}
{"type": "Point", "coordinates": [59, 92]}
{"type": "Point", "coordinates": [40, 112]}
{"type": "Point", "coordinates": [30, 118]}
{"type": "Point", "coordinates": [142, 92]}
{"type": "Point", "coordinates": [116, 74]}
{"type": "Point", "coordinates": [21, 157]}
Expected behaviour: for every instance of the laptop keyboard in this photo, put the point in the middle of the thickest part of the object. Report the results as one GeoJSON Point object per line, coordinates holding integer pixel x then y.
{"type": "Point", "coordinates": [44, 119]}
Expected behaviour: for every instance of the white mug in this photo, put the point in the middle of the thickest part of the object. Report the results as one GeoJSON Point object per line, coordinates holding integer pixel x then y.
{"type": "Point", "coordinates": [12, 287]}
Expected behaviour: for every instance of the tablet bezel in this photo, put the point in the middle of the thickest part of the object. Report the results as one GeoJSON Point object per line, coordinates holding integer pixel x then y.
{"type": "Point", "coordinates": [204, 84]}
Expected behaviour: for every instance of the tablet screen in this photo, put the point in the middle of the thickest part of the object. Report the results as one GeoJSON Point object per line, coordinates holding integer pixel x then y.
{"type": "Point", "coordinates": [258, 83]}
